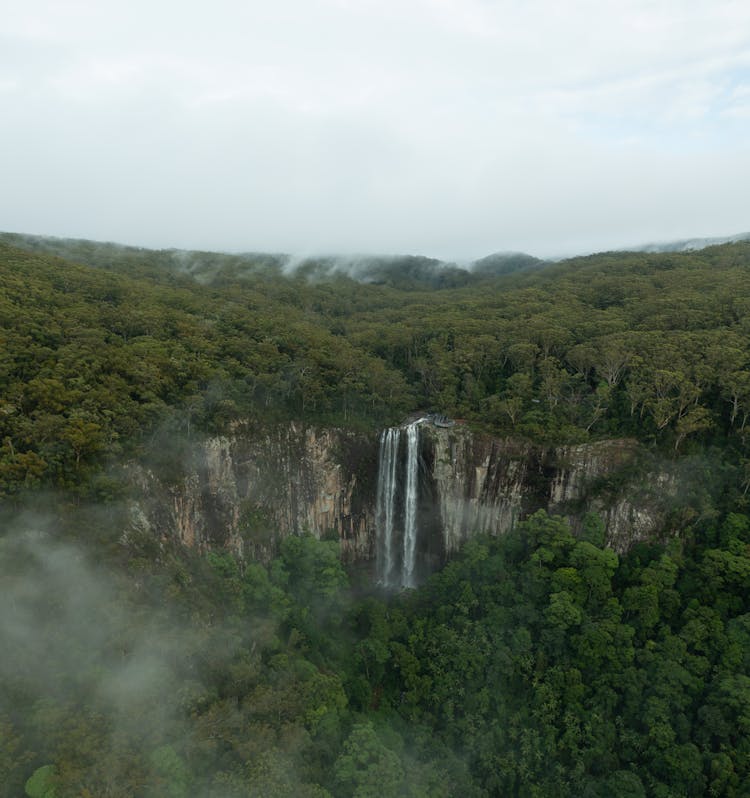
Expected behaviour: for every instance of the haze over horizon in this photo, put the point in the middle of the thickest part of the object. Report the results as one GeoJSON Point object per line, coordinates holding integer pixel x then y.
{"type": "Point", "coordinates": [435, 127]}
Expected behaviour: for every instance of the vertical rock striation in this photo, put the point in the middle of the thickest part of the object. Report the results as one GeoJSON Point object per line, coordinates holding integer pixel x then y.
{"type": "Point", "coordinates": [249, 490]}
{"type": "Point", "coordinates": [404, 502]}
{"type": "Point", "coordinates": [486, 485]}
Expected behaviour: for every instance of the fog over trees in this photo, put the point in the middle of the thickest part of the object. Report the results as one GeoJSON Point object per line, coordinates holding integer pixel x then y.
{"type": "Point", "coordinates": [535, 663]}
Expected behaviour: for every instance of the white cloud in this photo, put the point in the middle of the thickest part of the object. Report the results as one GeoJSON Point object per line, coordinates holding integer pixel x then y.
{"type": "Point", "coordinates": [452, 127]}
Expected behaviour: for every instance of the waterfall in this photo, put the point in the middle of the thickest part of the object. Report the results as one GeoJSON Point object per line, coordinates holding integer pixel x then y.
{"type": "Point", "coordinates": [396, 518]}
{"type": "Point", "coordinates": [386, 504]}
{"type": "Point", "coordinates": [410, 504]}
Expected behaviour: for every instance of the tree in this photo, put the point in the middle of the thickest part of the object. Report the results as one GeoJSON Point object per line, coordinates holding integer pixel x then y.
{"type": "Point", "coordinates": [172, 776]}
{"type": "Point", "coordinates": [366, 768]}
{"type": "Point", "coordinates": [41, 783]}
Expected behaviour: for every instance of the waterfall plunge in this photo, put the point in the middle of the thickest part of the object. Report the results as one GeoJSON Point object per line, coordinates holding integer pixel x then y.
{"type": "Point", "coordinates": [386, 504]}
{"type": "Point", "coordinates": [410, 504]}
{"type": "Point", "coordinates": [396, 510]}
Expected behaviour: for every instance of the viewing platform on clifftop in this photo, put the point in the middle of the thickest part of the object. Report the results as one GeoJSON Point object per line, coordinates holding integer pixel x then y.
{"type": "Point", "coordinates": [441, 421]}
{"type": "Point", "coordinates": [436, 419]}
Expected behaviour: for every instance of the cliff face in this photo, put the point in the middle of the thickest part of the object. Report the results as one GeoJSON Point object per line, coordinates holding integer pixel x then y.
{"type": "Point", "coordinates": [487, 485]}
{"type": "Point", "coordinates": [248, 490]}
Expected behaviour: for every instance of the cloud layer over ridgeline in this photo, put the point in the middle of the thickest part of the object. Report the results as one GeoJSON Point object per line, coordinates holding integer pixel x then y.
{"type": "Point", "coordinates": [406, 272]}
{"type": "Point", "coordinates": [400, 271]}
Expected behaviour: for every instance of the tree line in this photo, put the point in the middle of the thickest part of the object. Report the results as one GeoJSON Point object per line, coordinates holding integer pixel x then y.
{"type": "Point", "coordinates": [96, 356]}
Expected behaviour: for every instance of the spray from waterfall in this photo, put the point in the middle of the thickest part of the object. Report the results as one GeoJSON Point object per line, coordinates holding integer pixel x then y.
{"type": "Point", "coordinates": [396, 516]}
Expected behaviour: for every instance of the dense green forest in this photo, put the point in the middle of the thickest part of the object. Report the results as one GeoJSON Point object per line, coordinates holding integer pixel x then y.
{"type": "Point", "coordinates": [533, 664]}
{"type": "Point", "coordinates": [95, 355]}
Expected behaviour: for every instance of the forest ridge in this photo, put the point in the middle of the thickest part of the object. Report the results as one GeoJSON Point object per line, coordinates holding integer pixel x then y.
{"type": "Point", "coordinates": [653, 346]}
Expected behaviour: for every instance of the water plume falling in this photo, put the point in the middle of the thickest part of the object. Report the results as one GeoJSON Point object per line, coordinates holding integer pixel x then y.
{"type": "Point", "coordinates": [410, 504]}
{"type": "Point", "coordinates": [396, 514]}
{"type": "Point", "coordinates": [386, 503]}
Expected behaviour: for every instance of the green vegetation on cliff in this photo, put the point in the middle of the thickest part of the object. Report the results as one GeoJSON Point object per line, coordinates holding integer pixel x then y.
{"type": "Point", "coordinates": [96, 356]}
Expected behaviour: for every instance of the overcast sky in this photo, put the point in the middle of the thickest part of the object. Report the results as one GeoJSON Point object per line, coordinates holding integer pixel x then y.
{"type": "Point", "coordinates": [452, 128]}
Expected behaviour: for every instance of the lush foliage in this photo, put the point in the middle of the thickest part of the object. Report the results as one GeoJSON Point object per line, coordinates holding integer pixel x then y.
{"type": "Point", "coordinates": [558, 670]}
{"type": "Point", "coordinates": [536, 664]}
{"type": "Point", "coordinates": [95, 357]}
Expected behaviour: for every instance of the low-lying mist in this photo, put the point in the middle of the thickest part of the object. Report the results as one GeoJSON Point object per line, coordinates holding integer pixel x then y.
{"type": "Point", "coordinates": [104, 667]}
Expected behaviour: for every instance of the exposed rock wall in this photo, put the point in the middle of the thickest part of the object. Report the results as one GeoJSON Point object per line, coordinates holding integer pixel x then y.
{"type": "Point", "coordinates": [487, 485]}
{"type": "Point", "coordinates": [247, 490]}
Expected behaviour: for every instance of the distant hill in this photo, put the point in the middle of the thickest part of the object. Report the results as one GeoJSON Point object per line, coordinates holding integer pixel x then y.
{"type": "Point", "coordinates": [401, 272]}
{"type": "Point", "coordinates": [506, 263]}
{"type": "Point", "coordinates": [689, 244]}
{"type": "Point", "coordinates": [404, 272]}
{"type": "Point", "coordinates": [140, 261]}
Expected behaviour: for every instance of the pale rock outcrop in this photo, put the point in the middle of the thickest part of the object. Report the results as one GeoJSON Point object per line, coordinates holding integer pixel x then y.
{"type": "Point", "coordinates": [247, 490]}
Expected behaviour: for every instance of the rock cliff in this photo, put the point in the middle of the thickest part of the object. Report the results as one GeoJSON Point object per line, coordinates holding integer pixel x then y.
{"type": "Point", "coordinates": [247, 490]}
{"type": "Point", "coordinates": [486, 485]}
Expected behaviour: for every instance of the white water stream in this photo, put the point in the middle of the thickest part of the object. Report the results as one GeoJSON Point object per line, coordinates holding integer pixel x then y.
{"type": "Point", "coordinates": [396, 516]}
